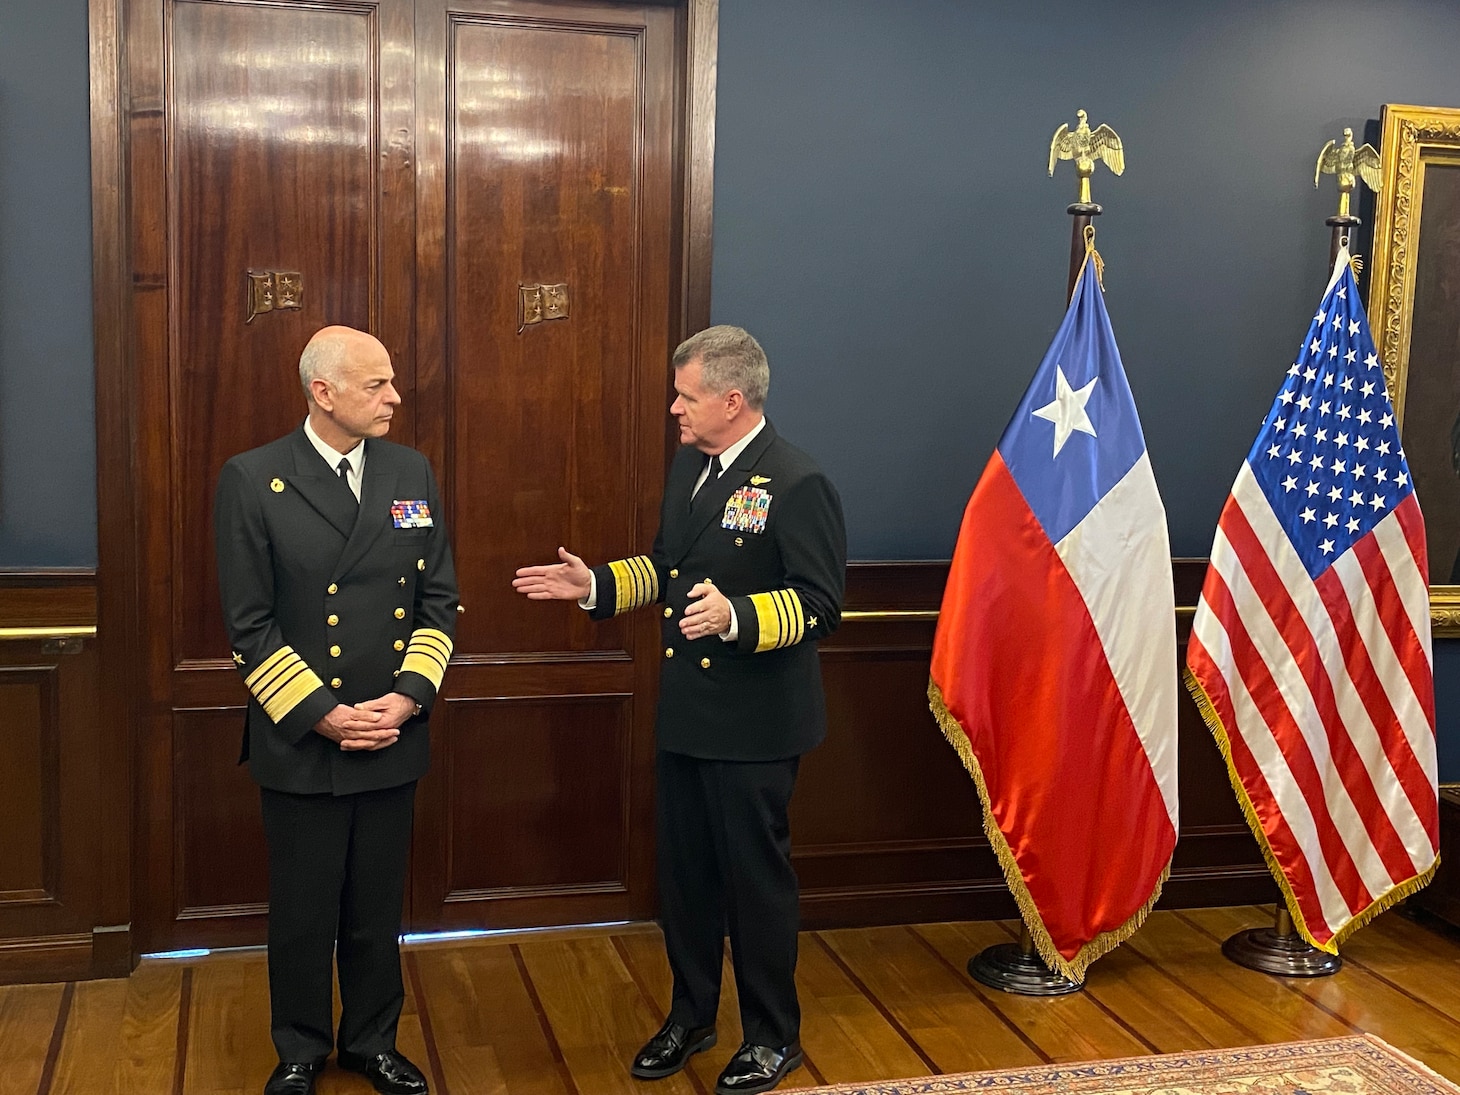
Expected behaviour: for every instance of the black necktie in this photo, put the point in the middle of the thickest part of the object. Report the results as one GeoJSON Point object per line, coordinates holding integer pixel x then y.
{"type": "Point", "coordinates": [344, 470]}
{"type": "Point", "coordinates": [713, 464]}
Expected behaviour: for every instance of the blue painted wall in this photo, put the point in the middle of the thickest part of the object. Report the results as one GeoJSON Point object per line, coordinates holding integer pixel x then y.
{"type": "Point", "coordinates": [47, 385]}
{"type": "Point", "coordinates": [885, 225]}
{"type": "Point", "coordinates": [883, 222]}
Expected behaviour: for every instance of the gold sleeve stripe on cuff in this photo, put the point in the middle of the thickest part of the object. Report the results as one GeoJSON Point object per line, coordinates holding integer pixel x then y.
{"type": "Point", "coordinates": [290, 692]}
{"type": "Point", "coordinates": [269, 665]}
{"type": "Point", "coordinates": [265, 684]}
{"type": "Point", "coordinates": [779, 619]}
{"type": "Point", "coordinates": [635, 583]}
{"type": "Point", "coordinates": [428, 655]}
{"type": "Point", "coordinates": [429, 640]}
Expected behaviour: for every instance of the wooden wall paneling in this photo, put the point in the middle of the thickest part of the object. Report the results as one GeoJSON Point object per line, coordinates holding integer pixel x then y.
{"type": "Point", "coordinates": [115, 590]}
{"type": "Point", "coordinates": [537, 793]}
{"type": "Point", "coordinates": [221, 875]}
{"type": "Point", "coordinates": [887, 824]}
{"type": "Point", "coordinates": [261, 137]}
{"type": "Point", "coordinates": [50, 784]}
{"type": "Point", "coordinates": [551, 152]}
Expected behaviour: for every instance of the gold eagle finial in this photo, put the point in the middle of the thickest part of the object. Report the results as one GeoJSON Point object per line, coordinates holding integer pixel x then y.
{"type": "Point", "coordinates": [1084, 145]}
{"type": "Point", "coordinates": [1346, 161]}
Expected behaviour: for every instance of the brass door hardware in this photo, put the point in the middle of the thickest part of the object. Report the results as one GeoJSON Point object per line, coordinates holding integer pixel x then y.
{"type": "Point", "coordinates": [539, 303]}
{"type": "Point", "coordinates": [273, 290]}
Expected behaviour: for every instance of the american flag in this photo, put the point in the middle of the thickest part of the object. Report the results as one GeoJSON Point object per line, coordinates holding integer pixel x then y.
{"type": "Point", "coordinates": [1310, 651]}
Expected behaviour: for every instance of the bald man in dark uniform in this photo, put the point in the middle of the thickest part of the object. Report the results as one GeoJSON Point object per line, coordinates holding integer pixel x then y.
{"type": "Point", "coordinates": [340, 600]}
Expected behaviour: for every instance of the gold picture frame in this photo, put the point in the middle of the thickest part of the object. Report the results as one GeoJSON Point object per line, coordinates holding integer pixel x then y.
{"type": "Point", "coordinates": [1414, 313]}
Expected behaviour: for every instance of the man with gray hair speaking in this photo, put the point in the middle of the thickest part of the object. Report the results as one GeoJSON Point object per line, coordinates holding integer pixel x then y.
{"type": "Point", "coordinates": [750, 567]}
{"type": "Point", "coordinates": [340, 600]}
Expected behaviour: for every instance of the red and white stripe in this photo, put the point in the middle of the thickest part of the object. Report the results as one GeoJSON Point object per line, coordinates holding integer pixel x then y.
{"type": "Point", "coordinates": [1324, 692]}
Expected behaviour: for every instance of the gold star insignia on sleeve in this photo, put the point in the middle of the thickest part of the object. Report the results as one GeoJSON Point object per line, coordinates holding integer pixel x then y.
{"type": "Point", "coordinates": [237, 658]}
{"type": "Point", "coordinates": [811, 621]}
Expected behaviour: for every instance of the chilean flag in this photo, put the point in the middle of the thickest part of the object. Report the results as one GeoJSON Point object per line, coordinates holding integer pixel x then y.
{"type": "Point", "coordinates": [1054, 666]}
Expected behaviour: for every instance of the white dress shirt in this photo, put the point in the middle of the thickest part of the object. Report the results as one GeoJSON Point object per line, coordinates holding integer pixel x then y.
{"type": "Point", "coordinates": [331, 456]}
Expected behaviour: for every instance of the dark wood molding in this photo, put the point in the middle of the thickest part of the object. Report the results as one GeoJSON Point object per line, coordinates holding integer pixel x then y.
{"type": "Point", "coordinates": [702, 43]}
{"type": "Point", "coordinates": [54, 598]}
{"type": "Point", "coordinates": [115, 592]}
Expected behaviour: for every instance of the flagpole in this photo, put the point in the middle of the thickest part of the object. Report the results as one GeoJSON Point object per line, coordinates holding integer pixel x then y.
{"type": "Point", "coordinates": [1012, 967]}
{"type": "Point", "coordinates": [1279, 950]}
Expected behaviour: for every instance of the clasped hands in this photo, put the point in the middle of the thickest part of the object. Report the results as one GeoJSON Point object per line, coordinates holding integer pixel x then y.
{"type": "Point", "coordinates": [570, 580]}
{"type": "Point", "coordinates": [368, 726]}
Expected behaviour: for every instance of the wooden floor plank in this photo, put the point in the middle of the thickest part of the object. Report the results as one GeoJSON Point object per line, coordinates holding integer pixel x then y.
{"type": "Point", "coordinates": [1063, 1028]}
{"type": "Point", "coordinates": [596, 1011]}
{"type": "Point", "coordinates": [484, 1022]}
{"type": "Point", "coordinates": [147, 1059]}
{"type": "Point", "coordinates": [951, 1024]}
{"type": "Point", "coordinates": [92, 1040]}
{"type": "Point", "coordinates": [845, 1033]}
{"type": "Point", "coordinates": [27, 1020]}
{"type": "Point", "coordinates": [1265, 1004]}
{"type": "Point", "coordinates": [561, 1013]}
{"type": "Point", "coordinates": [1367, 1003]}
{"type": "Point", "coordinates": [229, 1050]}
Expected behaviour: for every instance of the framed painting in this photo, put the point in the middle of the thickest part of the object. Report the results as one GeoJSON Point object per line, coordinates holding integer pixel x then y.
{"type": "Point", "coordinates": [1414, 310]}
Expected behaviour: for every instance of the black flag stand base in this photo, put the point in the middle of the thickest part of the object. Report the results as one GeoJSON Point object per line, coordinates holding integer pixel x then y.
{"type": "Point", "coordinates": [1280, 951]}
{"type": "Point", "coordinates": [1016, 968]}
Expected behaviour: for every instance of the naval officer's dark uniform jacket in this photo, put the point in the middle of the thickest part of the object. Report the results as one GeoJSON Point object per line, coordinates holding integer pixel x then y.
{"type": "Point", "coordinates": [734, 717]}
{"type": "Point", "coordinates": [330, 601]}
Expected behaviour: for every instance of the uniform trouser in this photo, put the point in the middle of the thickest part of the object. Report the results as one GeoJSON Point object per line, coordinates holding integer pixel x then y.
{"type": "Point", "coordinates": [725, 861]}
{"type": "Point", "coordinates": [337, 870]}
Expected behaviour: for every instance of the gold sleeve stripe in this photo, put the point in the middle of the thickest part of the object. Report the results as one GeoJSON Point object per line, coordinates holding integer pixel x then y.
{"type": "Point", "coordinates": [635, 583]}
{"type": "Point", "coordinates": [269, 665]}
{"type": "Point", "coordinates": [281, 682]}
{"type": "Point", "coordinates": [290, 692]}
{"type": "Point", "coordinates": [779, 618]}
{"type": "Point", "coordinates": [428, 654]}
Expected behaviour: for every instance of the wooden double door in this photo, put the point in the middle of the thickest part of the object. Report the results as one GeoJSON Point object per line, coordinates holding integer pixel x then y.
{"type": "Point", "coordinates": [504, 192]}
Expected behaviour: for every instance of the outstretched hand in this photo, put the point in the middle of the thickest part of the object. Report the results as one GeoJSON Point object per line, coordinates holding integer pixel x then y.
{"type": "Point", "coordinates": [568, 580]}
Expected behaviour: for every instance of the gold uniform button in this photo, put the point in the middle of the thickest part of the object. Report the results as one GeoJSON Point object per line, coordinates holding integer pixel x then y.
{"type": "Point", "coordinates": [277, 486]}
{"type": "Point", "coordinates": [668, 612]}
{"type": "Point", "coordinates": [400, 644]}
{"type": "Point", "coordinates": [333, 588]}
{"type": "Point", "coordinates": [336, 682]}
{"type": "Point", "coordinates": [674, 573]}
{"type": "Point", "coordinates": [669, 651]}
{"type": "Point", "coordinates": [334, 652]}
{"type": "Point", "coordinates": [704, 663]}
{"type": "Point", "coordinates": [420, 564]}
{"type": "Point", "coordinates": [332, 619]}
{"type": "Point", "coordinates": [400, 614]}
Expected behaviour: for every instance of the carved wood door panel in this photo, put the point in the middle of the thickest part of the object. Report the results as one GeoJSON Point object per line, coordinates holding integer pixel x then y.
{"type": "Point", "coordinates": [404, 166]}
{"type": "Point", "coordinates": [546, 158]}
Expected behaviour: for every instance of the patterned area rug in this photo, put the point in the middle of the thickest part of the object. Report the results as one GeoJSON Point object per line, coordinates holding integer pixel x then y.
{"type": "Point", "coordinates": [1351, 1066]}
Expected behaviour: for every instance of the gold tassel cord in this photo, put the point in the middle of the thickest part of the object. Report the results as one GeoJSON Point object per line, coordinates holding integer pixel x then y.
{"type": "Point", "coordinates": [1073, 968]}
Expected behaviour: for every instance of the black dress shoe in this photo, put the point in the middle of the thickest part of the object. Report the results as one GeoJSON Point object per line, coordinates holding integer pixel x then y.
{"type": "Point", "coordinates": [292, 1078]}
{"type": "Point", "coordinates": [757, 1068]}
{"type": "Point", "coordinates": [388, 1072]}
{"type": "Point", "coordinates": [666, 1052]}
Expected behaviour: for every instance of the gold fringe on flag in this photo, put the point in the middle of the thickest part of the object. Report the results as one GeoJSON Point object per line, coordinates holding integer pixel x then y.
{"type": "Point", "coordinates": [1249, 811]}
{"type": "Point", "coordinates": [1073, 968]}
